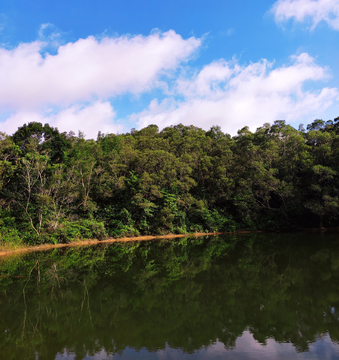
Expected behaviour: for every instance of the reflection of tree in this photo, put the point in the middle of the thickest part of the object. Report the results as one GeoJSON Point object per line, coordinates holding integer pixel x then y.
{"type": "Point", "coordinates": [186, 293]}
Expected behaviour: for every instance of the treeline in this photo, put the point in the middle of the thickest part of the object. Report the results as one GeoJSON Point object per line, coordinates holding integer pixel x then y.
{"type": "Point", "coordinates": [55, 187]}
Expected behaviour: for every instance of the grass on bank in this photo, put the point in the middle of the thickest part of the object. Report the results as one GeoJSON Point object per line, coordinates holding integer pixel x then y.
{"type": "Point", "coordinates": [11, 240]}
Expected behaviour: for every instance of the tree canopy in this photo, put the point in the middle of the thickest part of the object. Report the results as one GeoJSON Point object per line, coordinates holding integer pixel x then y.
{"type": "Point", "coordinates": [55, 187]}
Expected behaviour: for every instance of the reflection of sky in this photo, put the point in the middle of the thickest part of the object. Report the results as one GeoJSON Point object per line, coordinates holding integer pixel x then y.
{"type": "Point", "coordinates": [246, 349]}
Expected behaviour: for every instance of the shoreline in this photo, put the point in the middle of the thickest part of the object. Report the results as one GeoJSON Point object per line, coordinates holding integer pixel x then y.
{"type": "Point", "coordinates": [89, 242]}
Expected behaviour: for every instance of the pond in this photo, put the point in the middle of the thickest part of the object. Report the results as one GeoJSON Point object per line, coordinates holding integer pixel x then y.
{"type": "Point", "coordinates": [255, 296]}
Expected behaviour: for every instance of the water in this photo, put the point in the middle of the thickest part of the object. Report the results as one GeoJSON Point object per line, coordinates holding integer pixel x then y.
{"type": "Point", "coordinates": [258, 296]}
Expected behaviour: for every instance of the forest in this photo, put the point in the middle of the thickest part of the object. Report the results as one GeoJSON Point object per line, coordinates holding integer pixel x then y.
{"type": "Point", "coordinates": [57, 187]}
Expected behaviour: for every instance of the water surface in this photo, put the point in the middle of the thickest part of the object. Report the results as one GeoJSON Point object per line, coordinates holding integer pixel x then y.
{"type": "Point", "coordinates": [261, 296]}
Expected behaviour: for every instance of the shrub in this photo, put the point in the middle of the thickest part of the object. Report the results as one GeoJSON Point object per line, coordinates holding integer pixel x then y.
{"type": "Point", "coordinates": [80, 229]}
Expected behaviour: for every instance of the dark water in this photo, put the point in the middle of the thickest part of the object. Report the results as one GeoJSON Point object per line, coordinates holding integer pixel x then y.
{"type": "Point", "coordinates": [249, 297]}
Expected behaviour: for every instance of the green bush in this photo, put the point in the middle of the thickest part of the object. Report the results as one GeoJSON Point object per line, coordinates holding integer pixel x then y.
{"type": "Point", "coordinates": [10, 238]}
{"type": "Point", "coordinates": [7, 220]}
{"type": "Point", "coordinates": [80, 229]}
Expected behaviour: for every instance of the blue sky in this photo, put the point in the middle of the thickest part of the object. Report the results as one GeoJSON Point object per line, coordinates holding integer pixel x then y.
{"type": "Point", "coordinates": [113, 65]}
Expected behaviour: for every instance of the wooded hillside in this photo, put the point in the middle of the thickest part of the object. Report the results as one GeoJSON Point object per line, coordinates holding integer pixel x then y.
{"type": "Point", "coordinates": [55, 187]}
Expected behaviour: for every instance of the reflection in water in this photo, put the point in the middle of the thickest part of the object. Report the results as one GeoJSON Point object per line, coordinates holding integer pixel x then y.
{"type": "Point", "coordinates": [246, 348]}
{"type": "Point", "coordinates": [253, 297]}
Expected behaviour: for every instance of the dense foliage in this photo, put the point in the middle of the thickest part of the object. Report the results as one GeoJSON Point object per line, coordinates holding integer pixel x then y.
{"type": "Point", "coordinates": [55, 187]}
{"type": "Point", "coordinates": [184, 294]}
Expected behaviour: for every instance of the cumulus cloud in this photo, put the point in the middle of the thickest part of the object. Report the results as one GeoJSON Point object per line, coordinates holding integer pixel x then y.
{"type": "Point", "coordinates": [234, 96]}
{"type": "Point", "coordinates": [313, 10]}
{"type": "Point", "coordinates": [82, 76]}
{"type": "Point", "coordinates": [88, 119]}
{"type": "Point", "coordinates": [88, 69]}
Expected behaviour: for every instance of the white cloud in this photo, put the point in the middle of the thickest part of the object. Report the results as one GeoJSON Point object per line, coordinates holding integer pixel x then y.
{"type": "Point", "coordinates": [89, 119]}
{"type": "Point", "coordinates": [233, 96]}
{"type": "Point", "coordinates": [48, 33]}
{"type": "Point", "coordinates": [313, 10]}
{"type": "Point", "coordinates": [88, 69]}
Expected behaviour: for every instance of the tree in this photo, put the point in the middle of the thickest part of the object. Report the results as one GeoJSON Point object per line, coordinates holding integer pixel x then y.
{"type": "Point", "coordinates": [34, 195]}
